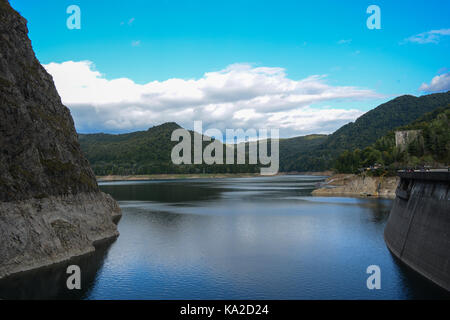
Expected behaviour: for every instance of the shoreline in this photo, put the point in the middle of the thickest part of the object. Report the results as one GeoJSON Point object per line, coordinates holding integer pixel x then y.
{"type": "Point", "coordinates": [58, 233]}
{"type": "Point", "coordinates": [142, 177]}
{"type": "Point", "coordinates": [340, 185]}
{"type": "Point", "coordinates": [362, 186]}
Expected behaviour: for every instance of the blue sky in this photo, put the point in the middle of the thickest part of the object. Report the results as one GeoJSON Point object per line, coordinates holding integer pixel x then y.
{"type": "Point", "coordinates": [153, 41]}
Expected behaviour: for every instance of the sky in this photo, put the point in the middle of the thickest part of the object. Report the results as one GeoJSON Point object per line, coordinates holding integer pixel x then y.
{"type": "Point", "coordinates": [300, 66]}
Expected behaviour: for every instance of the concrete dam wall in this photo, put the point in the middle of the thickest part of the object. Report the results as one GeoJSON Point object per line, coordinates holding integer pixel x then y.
{"type": "Point", "coordinates": [418, 229]}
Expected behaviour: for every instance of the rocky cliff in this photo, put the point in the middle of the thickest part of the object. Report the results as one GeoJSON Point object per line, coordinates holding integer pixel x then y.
{"type": "Point", "coordinates": [50, 205]}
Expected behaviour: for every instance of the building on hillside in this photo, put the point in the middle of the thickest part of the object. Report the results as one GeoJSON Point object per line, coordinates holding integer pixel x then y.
{"type": "Point", "coordinates": [405, 137]}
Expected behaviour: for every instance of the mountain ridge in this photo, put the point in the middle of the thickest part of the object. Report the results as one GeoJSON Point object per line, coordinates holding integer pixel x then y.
{"type": "Point", "coordinates": [365, 130]}
{"type": "Point", "coordinates": [314, 152]}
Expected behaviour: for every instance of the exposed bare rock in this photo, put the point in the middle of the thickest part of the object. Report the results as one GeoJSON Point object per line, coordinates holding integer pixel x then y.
{"type": "Point", "coordinates": [38, 232]}
{"type": "Point", "coordinates": [358, 185]}
{"type": "Point", "coordinates": [50, 205]}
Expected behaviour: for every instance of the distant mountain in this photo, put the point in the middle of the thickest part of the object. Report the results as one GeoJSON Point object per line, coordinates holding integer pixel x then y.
{"type": "Point", "coordinates": [151, 146]}
{"type": "Point", "coordinates": [145, 152]}
{"type": "Point", "coordinates": [293, 148]}
{"type": "Point", "coordinates": [377, 122]}
{"type": "Point", "coordinates": [148, 152]}
{"type": "Point", "coordinates": [431, 146]}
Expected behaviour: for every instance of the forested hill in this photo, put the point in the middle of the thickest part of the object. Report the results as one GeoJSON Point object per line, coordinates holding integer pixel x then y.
{"type": "Point", "coordinates": [148, 152]}
{"type": "Point", "coordinates": [145, 152]}
{"type": "Point", "coordinates": [151, 145]}
{"type": "Point", "coordinates": [366, 130]}
{"type": "Point", "coordinates": [293, 148]}
{"type": "Point", "coordinates": [431, 147]}
{"type": "Point", "coordinates": [377, 122]}
{"type": "Point", "coordinates": [141, 152]}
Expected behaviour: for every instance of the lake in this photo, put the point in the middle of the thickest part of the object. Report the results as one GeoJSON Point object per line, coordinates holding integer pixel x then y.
{"type": "Point", "coordinates": [234, 238]}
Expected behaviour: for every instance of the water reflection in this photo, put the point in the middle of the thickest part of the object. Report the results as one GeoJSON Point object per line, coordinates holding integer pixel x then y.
{"type": "Point", "coordinates": [50, 282]}
{"type": "Point", "coordinates": [252, 238]}
{"type": "Point", "coordinates": [162, 191]}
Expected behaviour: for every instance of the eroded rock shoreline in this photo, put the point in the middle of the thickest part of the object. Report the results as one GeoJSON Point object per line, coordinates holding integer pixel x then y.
{"type": "Point", "coordinates": [41, 232]}
{"type": "Point", "coordinates": [358, 186]}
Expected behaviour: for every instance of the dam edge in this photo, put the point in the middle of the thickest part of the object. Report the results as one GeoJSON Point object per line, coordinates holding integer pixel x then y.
{"type": "Point", "coordinates": [418, 228]}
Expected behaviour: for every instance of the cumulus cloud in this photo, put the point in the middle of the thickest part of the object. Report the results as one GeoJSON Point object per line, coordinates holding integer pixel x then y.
{"type": "Point", "coordinates": [239, 96]}
{"type": "Point", "coordinates": [439, 83]}
{"type": "Point", "coordinates": [433, 36]}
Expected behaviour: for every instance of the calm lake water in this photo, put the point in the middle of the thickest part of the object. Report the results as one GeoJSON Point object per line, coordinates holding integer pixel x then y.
{"type": "Point", "coordinates": [234, 238]}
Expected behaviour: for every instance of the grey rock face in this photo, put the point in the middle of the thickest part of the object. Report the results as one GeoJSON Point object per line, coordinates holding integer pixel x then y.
{"type": "Point", "coordinates": [40, 154]}
{"type": "Point", "coordinates": [50, 205]}
{"type": "Point", "coordinates": [39, 232]}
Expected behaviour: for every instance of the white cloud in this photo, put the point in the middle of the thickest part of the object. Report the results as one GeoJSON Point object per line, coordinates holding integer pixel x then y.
{"type": "Point", "coordinates": [240, 96]}
{"type": "Point", "coordinates": [345, 41]}
{"type": "Point", "coordinates": [438, 84]}
{"type": "Point", "coordinates": [129, 22]}
{"type": "Point", "coordinates": [433, 36]}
